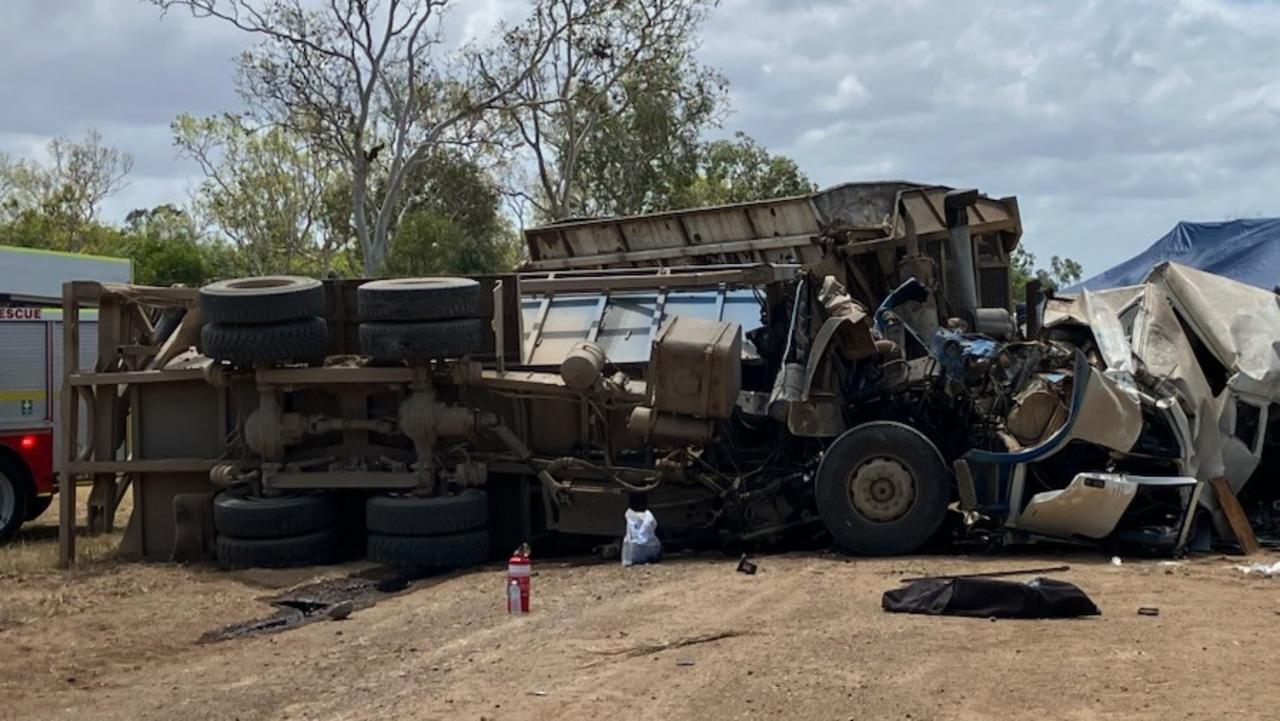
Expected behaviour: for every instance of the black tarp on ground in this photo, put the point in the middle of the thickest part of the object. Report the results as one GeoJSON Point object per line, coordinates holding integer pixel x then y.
{"type": "Point", "coordinates": [989, 598]}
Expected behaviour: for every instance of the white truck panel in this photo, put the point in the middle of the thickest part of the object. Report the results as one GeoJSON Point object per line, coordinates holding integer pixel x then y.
{"type": "Point", "coordinates": [32, 276]}
{"type": "Point", "coordinates": [31, 369]}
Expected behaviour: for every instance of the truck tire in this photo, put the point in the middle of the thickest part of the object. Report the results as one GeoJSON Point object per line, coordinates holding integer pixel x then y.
{"type": "Point", "coordinates": [414, 516]}
{"type": "Point", "coordinates": [265, 299]}
{"type": "Point", "coordinates": [15, 493]}
{"type": "Point", "coordinates": [459, 550]}
{"type": "Point", "coordinates": [37, 505]}
{"type": "Point", "coordinates": [407, 299]}
{"type": "Point", "coordinates": [882, 489]}
{"type": "Point", "coordinates": [312, 549]}
{"type": "Point", "coordinates": [302, 340]}
{"type": "Point", "coordinates": [423, 341]}
{"type": "Point", "coordinates": [256, 517]}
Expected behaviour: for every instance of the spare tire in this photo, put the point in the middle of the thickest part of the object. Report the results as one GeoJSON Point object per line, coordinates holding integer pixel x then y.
{"type": "Point", "coordinates": [302, 340]}
{"type": "Point", "coordinates": [265, 299]}
{"type": "Point", "coordinates": [458, 550]}
{"type": "Point", "coordinates": [414, 516]}
{"type": "Point", "coordinates": [312, 549]}
{"type": "Point", "coordinates": [415, 299]}
{"type": "Point", "coordinates": [421, 341]}
{"type": "Point", "coordinates": [238, 514]}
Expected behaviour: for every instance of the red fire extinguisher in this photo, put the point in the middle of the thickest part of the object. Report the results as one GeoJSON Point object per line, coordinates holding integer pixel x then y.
{"type": "Point", "coordinates": [519, 571]}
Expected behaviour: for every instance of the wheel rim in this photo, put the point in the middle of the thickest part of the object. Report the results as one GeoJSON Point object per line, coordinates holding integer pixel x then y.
{"type": "Point", "coordinates": [882, 489]}
{"type": "Point", "coordinates": [260, 283]}
{"type": "Point", "coordinates": [8, 501]}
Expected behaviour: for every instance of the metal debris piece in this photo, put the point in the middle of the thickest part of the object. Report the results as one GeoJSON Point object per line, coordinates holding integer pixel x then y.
{"type": "Point", "coordinates": [993, 574]}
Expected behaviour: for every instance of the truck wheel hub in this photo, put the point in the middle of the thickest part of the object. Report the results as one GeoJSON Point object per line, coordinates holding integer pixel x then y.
{"type": "Point", "coordinates": [882, 490]}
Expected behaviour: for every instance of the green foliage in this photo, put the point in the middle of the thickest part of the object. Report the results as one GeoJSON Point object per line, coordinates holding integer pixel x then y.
{"type": "Point", "coordinates": [450, 223]}
{"type": "Point", "coordinates": [1062, 272]}
{"type": "Point", "coordinates": [272, 197]}
{"type": "Point", "coordinates": [741, 170]}
{"type": "Point", "coordinates": [167, 249]}
{"type": "Point", "coordinates": [643, 156]}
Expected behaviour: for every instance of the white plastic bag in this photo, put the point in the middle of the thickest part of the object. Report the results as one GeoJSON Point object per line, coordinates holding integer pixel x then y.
{"type": "Point", "coordinates": [1262, 569]}
{"type": "Point", "coordinates": [641, 544]}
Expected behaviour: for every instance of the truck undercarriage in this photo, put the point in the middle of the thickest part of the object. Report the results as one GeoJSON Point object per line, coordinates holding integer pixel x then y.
{"type": "Point", "coordinates": [846, 363]}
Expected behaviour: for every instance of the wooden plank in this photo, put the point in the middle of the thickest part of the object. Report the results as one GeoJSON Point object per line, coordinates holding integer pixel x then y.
{"type": "Point", "coordinates": [70, 427]}
{"type": "Point", "coordinates": [1235, 516]}
{"type": "Point", "coordinates": [106, 440]}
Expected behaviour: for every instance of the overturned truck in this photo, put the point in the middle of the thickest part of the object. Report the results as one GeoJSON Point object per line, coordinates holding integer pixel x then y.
{"type": "Point", "coordinates": [846, 363]}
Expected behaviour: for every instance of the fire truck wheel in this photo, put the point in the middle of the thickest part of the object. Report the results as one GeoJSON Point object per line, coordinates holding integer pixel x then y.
{"type": "Point", "coordinates": [237, 514]}
{"type": "Point", "coordinates": [302, 340]}
{"type": "Point", "coordinates": [414, 516]}
{"type": "Point", "coordinates": [266, 299]}
{"type": "Point", "coordinates": [312, 549]}
{"type": "Point", "coordinates": [882, 489]}
{"type": "Point", "coordinates": [459, 550]}
{"type": "Point", "coordinates": [14, 495]}
{"type": "Point", "coordinates": [389, 342]}
{"type": "Point", "coordinates": [419, 299]}
{"type": "Point", "coordinates": [37, 505]}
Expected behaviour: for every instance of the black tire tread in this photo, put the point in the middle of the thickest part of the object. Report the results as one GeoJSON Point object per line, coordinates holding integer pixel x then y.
{"type": "Point", "coordinates": [312, 549]}
{"type": "Point", "coordinates": [403, 299]}
{"type": "Point", "coordinates": [459, 550]}
{"type": "Point", "coordinates": [852, 532]}
{"type": "Point", "coordinates": [238, 515]}
{"type": "Point", "coordinates": [37, 505]}
{"type": "Point", "coordinates": [22, 499]}
{"type": "Point", "coordinates": [435, 516]}
{"type": "Point", "coordinates": [421, 341]}
{"type": "Point", "coordinates": [304, 298]}
{"type": "Point", "coordinates": [304, 340]}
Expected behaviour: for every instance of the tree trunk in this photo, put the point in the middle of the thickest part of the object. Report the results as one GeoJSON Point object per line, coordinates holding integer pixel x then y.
{"type": "Point", "coordinates": [373, 257]}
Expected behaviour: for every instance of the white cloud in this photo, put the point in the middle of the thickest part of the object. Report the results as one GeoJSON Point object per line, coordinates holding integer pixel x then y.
{"type": "Point", "coordinates": [1110, 120]}
{"type": "Point", "coordinates": [847, 93]}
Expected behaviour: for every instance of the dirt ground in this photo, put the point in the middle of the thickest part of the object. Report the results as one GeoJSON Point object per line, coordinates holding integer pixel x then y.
{"type": "Point", "coordinates": [118, 641]}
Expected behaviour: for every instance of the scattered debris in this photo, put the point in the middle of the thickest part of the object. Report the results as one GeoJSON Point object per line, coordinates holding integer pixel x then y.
{"type": "Point", "coordinates": [992, 574]}
{"type": "Point", "coordinates": [341, 610]}
{"type": "Point", "coordinates": [1261, 569]}
{"type": "Point", "coordinates": [745, 566]}
{"type": "Point", "coordinates": [1115, 561]}
{"type": "Point", "coordinates": [1148, 611]}
{"type": "Point", "coordinates": [987, 598]}
{"type": "Point", "coordinates": [333, 598]}
{"type": "Point", "coordinates": [646, 649]}
{"type": "Point", "coordinates": [684, 663]}
{"type": "Point", "coordinates": [641, 544]}
{"type": "Point", "coordinates": [1235, 516]}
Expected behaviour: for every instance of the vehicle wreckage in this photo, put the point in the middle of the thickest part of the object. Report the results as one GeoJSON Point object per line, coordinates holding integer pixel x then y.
{"type": "Point", "coordinates": [846, 363]}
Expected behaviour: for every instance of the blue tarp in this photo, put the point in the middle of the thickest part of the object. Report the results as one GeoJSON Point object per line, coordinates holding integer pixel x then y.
{"type": "Point", "coordinates": [1243, 250]}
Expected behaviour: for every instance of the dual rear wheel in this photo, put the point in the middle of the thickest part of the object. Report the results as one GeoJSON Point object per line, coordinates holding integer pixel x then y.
{"type": "Point", "coordinates": [422, 533]}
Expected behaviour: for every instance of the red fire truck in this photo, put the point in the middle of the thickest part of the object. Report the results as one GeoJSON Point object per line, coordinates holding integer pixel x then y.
{"type": "Point", "coordinates": [31, 371]}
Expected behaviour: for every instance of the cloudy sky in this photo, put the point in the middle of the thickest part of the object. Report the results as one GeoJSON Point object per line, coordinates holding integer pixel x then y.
{"type": "Point", "coordinates": [1110, 120]}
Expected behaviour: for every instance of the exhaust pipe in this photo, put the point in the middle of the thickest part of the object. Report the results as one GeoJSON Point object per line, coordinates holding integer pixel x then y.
{"type": "Point", "coordinates": [962, 285]}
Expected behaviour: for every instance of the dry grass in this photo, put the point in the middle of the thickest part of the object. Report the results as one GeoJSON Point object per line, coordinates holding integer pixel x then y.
{"type": "Point", "coordinates": [35, 549]}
